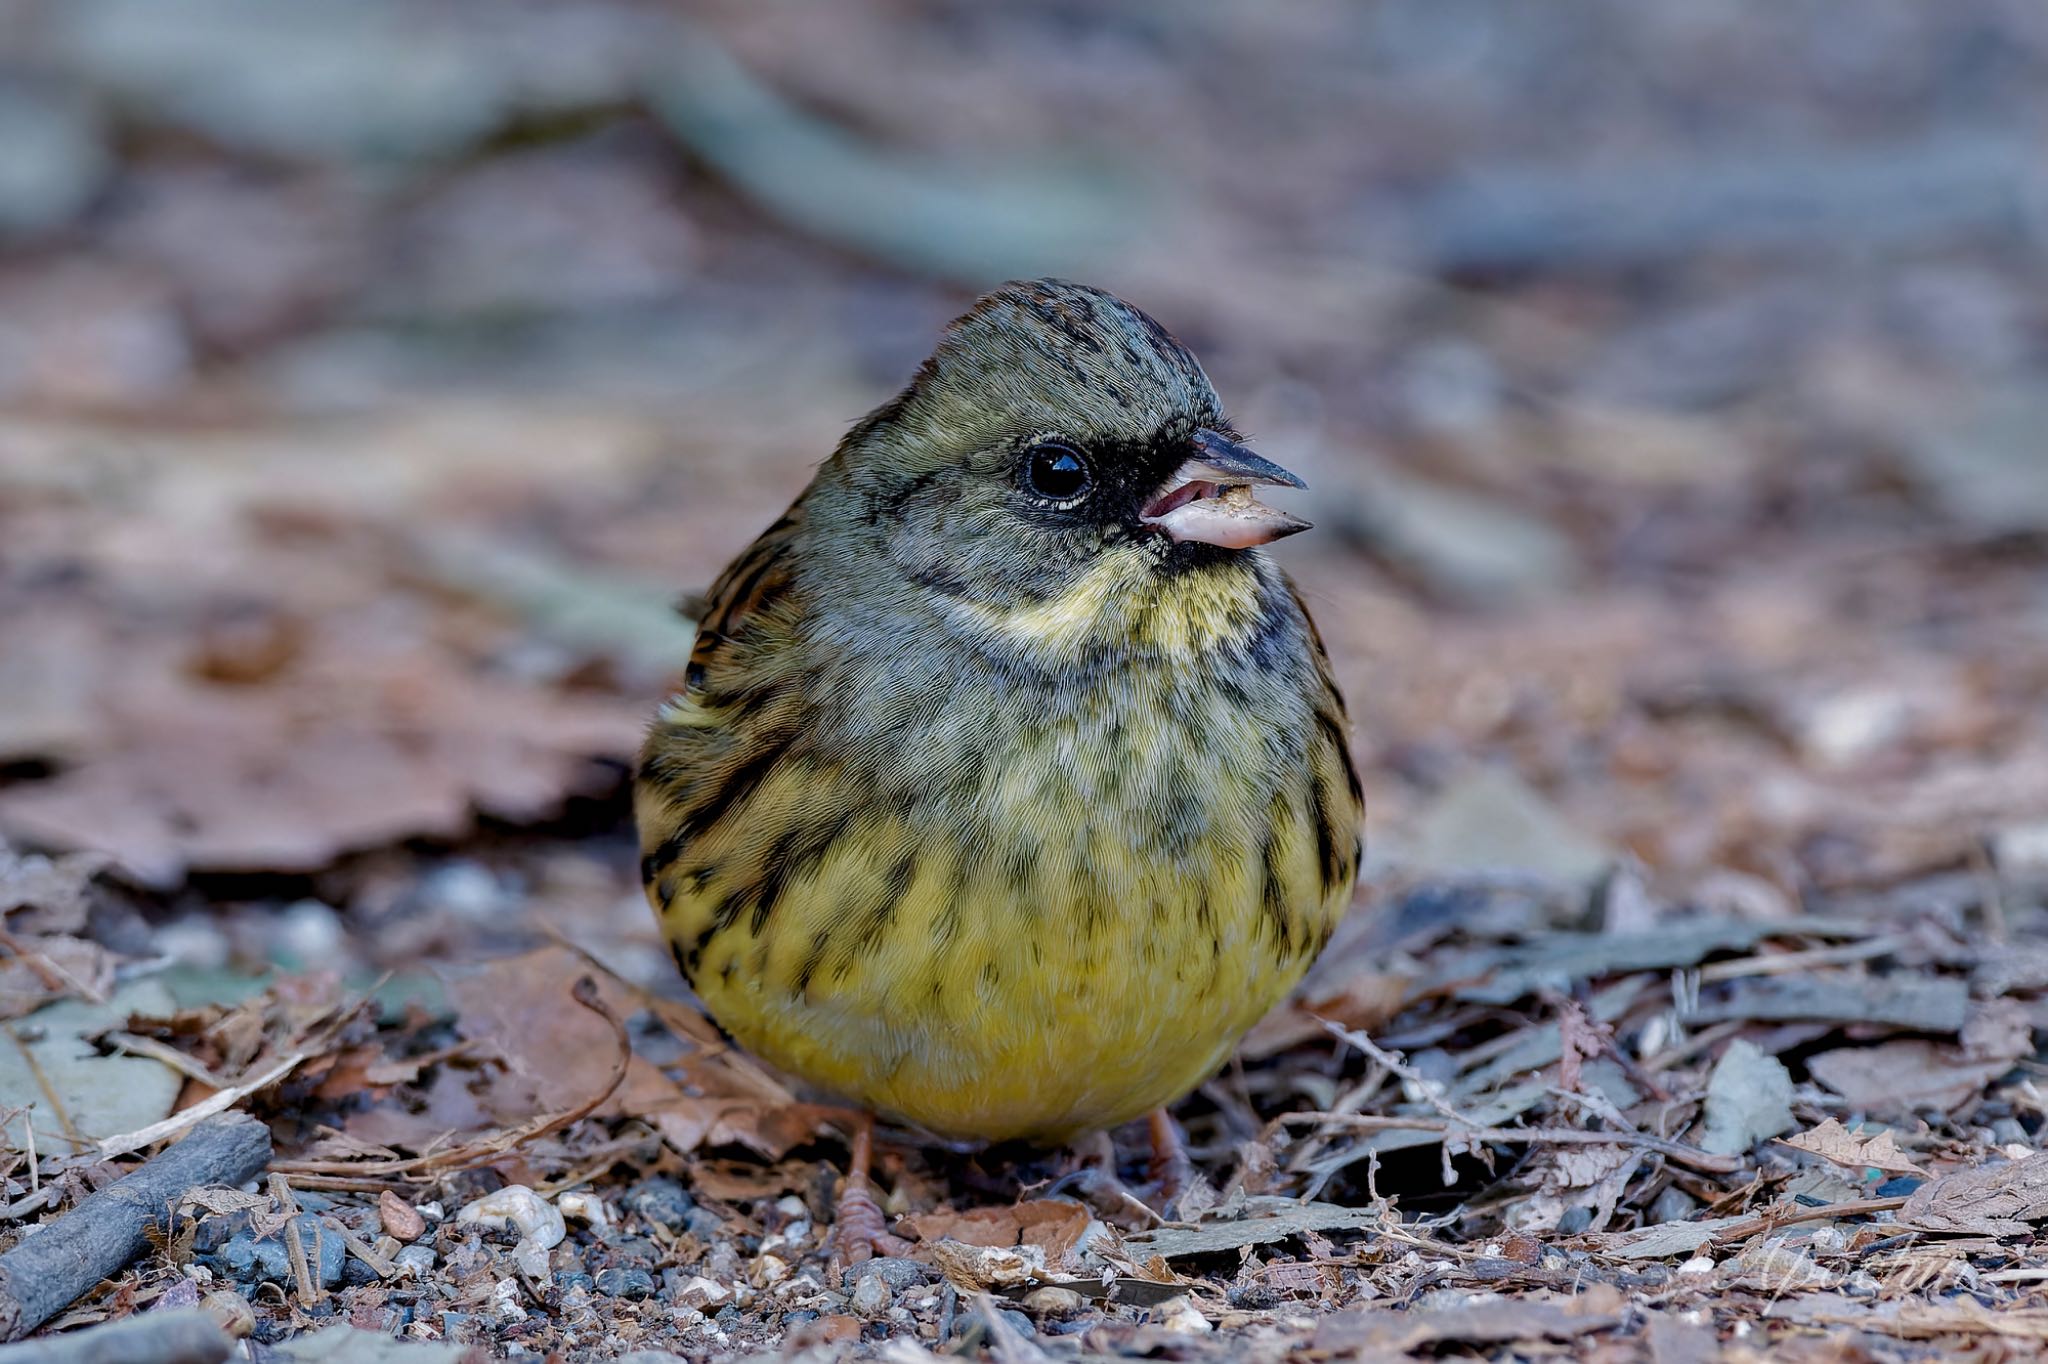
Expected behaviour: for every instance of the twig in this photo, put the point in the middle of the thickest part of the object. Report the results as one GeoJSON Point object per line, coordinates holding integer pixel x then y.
{"type": "Point", "coordinates": [35, 1068]}
{"type": "Point", "coordinates": [57, 1265]}
{"type": "Point", "coordinates": [1781, 963]}
{"type": "Point", "coordinates": [1691, 1156]}
{"type": "Point", "coordinates": [309, 1289]}
{"type": "Point", "coordinates": [361, 1249]}
{"type": "Point", "coordinates": [1432, 1091]}
{"type": "Point", "coordinates": [169, 1055]}
{"type": "Point", "coordinates": [218, 1102]}
{"type": "Point", "coordinates": [1771, 1221]}
{"type": "Point", "coordinates": [185, 1336]}
{"type": "Point", "coordinates": [489, 1148]}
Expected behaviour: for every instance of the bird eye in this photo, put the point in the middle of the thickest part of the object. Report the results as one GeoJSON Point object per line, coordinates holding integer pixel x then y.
{"type": "Point", "coordinates": [1056, 472]}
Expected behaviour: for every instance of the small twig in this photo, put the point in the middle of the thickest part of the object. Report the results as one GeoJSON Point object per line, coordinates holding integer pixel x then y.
{"type": "Point", "coordinates": [1432, 1091]}
{"type": "Point", "coordinates": [167, 1054]}
{"type": "Point", "coordinates": [310, 1291]}
{"type": "Point", "coordinates": [35, 1068]}
{"type": "Point", "coordinates": [361, 1249]}
{"type": "Point", "coordinates": [281, 1193]}
{"type": "Point", "coordinates": [218, 1102]}
{"type": "Point", "coordinates": [1691, 1156]}
{"type": "Point", "coordinates": [1771, 1221]}
{"type": "Point", "coordinates": [1780, 963]}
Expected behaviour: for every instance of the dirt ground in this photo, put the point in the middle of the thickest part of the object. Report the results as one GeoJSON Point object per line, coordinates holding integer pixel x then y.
{"type": "Point", "coordinates": [1670, 381]}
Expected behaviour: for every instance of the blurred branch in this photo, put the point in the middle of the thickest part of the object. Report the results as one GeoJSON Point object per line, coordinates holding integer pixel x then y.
{"type": "Point", "coordinates": [929, 217]}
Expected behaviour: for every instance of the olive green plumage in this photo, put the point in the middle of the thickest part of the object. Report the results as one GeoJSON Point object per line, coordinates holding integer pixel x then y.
{"type": "Point", "coordinates": [1002, 795]}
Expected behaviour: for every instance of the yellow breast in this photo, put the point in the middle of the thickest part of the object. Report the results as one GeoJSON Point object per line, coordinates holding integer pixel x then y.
{"type": "Point", "coordinates": [1076, 933]}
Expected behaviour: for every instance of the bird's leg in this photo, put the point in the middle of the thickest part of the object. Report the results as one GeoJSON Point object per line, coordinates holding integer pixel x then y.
{"type": "Point", "coordinates": [859, 1230]}
{"type": "Point", "coordinates": [1172, 1171]}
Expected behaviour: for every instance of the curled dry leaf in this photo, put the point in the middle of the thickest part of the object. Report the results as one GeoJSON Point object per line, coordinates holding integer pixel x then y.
{"type": "Point", "coordinates": [1051, 1225]}
{"type": "Point", "coordinates": [975, 1269]}
{"type": "Point", "coordinates": [1833, 1142]}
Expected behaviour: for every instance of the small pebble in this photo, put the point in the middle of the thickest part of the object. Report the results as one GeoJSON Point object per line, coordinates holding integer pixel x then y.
{"type": "Point", "coordinates": [402, 1221]}
{"type": "Point", "coordinates": [1054, 1301]}
{"type": "Point", "coordinates": [972, 1321]}
{"type": "Point", "coordinates": [897, 1272]}
{"type": "Point", "coordinates": [417, 1258]}
{"type": "Point", "coordinates": [660, 1200]}
{"type": "Point", "coordinates": [232, 1311]}
{"type": "Point", "coordinates": [834, 1329]}
{"type": "Point", "coordinates": [634, 1283]}
{"type": "Point", "coordinates": [871, 1296]}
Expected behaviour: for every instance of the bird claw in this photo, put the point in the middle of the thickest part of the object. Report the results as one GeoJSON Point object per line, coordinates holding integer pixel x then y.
{"type": "Point", "coordinates": [859, 1230]}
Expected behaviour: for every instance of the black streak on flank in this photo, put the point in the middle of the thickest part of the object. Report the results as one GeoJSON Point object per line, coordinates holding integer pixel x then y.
{"type": "Point", "coordinates": [866, 936]}
{"type": "Point", "coordinates": [1327, 855]}
{"type": "Point", "coordinates": [1333, 730]}
{"type": "Point", "coordinates": [1272, 897]}
{"type": "Point", "coordinates": [796, 853]}
{"type": "Point", "coordinates": [739, 783]}
{"type": "Point", "coordinates": [812, 960]}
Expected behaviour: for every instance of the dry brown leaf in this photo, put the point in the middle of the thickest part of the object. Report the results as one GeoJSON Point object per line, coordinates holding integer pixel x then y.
{"type": "Point", "coordinates": [54, 967]}
{"type": "Point", "coordinates": [974, 1269]}
{"type": "Point", "coordinates": [1834, 1142]}
{"type": "Point", "coordinates": [1990, 1200]}
{"type": "Point", "coordinates": [1898, 1078]}
{"type": "Point", "coordinates": [518, 1010]}
{"type": "Point", "coordinates": [1053, 1225]}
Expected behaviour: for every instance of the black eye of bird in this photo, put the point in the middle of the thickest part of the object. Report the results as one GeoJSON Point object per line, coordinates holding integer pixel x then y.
{"type": "Point", "coordinates": [1056, 471]}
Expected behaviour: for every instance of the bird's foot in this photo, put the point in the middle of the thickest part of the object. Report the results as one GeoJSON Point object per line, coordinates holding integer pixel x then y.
{"type": "Point", "coordinates": [1172, 1170]}
{"type": "Point", "coordinates": [859, 1230]}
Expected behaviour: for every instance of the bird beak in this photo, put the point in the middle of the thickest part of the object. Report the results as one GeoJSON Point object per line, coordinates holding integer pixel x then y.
{"type": "Point", "coordinates": [1209, 498]}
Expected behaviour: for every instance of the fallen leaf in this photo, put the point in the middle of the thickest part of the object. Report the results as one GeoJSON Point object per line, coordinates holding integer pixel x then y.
{"type": "Point", "coordinates": [1990, 1200]}
{"type": "Point", "coordinates": [78, 1095]}
{"type": "Point", "coordinates": [1665, 1240]}
{"type": "Point", "coordinates": [1379, 1331]}
{"type": "Point", "coordinates": [1834, 1142]}
{"type": "Point", "coordinates": [1895, 1079]}
{"type": "Point", "coordinates": [1275, 1219]}
{"type": "Point", "coordinates": [1749, 1097]}
{"type": "Point", "coordinates": [974, 1269]}
{"type": "Point", "coordinates": [1053, 1225]}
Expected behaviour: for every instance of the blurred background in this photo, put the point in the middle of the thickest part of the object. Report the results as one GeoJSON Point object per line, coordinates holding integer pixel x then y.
{"type": "Point", "coordinates": [1670, 376]}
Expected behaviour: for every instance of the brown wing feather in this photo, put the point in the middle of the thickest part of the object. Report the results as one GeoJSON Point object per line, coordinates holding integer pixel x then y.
{"type": "Point", "coordinates": [734, 717]}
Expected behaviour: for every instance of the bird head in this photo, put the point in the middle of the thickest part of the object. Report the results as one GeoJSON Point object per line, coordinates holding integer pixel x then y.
{"type": "Point", "coordinates": [1058, 436]}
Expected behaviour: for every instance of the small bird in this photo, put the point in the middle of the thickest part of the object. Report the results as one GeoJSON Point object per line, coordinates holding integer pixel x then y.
{"type": "Point", "coordinates": [1008, 784]}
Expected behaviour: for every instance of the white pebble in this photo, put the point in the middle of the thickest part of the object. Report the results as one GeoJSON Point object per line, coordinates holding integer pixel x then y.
{"type": "Point", "coordinates": [1180, 1315]}
{"type": "Point", "coordinates": [585, 1207]}
{"type": "Point", "coordinates": [538, 1222]}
